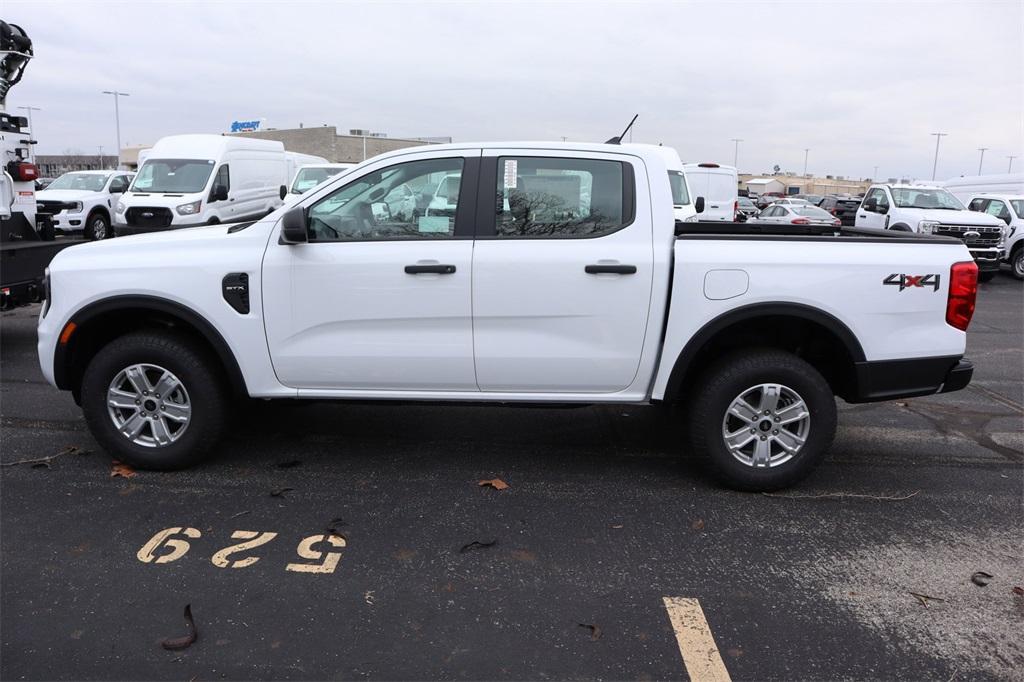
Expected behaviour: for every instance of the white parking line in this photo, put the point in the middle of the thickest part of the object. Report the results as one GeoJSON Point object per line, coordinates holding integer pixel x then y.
{"type": "Point", "coordinates": [697, 646]}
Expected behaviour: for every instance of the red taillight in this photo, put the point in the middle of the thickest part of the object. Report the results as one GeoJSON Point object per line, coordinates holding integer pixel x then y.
{"type": "Point", "coordinates": [22, 172]}
{"type": "Point", "coordinates": [801, 221]}
{"type": "Point", "coordinates": [963, 290]}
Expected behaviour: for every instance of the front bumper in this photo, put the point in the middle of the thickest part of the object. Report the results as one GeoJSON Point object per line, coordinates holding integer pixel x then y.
{"type": "Point", "coordinates": [69, 222]}
{"type": "Point", "coordinates": [123, 229]}
{"type": "Point", "coordinates": [890, 379]}
{"type": "Point", "coordinates": [987, 259]}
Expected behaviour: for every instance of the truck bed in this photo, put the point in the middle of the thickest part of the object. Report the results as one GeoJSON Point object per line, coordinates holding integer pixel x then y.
{"type": "Point", "coordinates": [721, 230]}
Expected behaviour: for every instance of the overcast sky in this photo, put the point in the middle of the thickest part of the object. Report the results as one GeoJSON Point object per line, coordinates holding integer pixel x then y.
{"type": "Point", "coordinates": [861, 84]}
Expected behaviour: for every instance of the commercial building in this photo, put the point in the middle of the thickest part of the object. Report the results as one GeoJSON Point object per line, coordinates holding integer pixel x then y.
{"type": "Point", "coordinates": [55, 165]}
{"type": "Point", "coordinates": [325, 141]}
{"type": "Point", "coordinates": [803, 184]}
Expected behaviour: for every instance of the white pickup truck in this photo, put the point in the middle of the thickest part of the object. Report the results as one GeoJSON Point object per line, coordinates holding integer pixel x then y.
{"type": "Point", "coordinates": [558, 276]}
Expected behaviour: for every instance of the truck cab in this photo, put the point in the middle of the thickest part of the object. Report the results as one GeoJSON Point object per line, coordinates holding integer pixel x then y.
{"type": "Point", "coordinates": [930, 209]}
{"type": "Point", "coordinates": [1010, 209]}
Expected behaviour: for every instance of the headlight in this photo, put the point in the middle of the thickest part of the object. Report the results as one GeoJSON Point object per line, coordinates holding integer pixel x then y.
{"type": "Point", "coordinates": [692, 219]}
{"type": "Point", "coordinates": [120, 207]}
{"type": "Point", "coordinates": [189, 209]}
{"type": "Point", "coordinates": [75, 206]}
{"type": "Point", "coordinates": [927, 226]}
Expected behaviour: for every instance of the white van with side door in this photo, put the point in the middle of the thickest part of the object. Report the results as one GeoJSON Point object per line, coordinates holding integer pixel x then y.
{"type": "Point", "coordinates": [719, 185]}
{"type": "Point", "coordinates": [192, 180]}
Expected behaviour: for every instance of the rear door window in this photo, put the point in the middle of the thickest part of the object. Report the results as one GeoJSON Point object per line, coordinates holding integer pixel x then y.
{"type": "Point", "coordinates": [560, 198]}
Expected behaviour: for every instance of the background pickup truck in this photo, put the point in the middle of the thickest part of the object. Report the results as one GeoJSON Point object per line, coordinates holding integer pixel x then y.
{"type": "Point", "coordinates": [557, 276]}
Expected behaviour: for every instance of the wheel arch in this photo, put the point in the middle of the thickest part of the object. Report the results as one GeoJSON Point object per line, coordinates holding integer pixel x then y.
{"type": "Point", "coordinates": [102, 321]}
{"type": "Point", "coordinates": [901, 227]}
{"type": "Point", "coordinates": [809, 332]}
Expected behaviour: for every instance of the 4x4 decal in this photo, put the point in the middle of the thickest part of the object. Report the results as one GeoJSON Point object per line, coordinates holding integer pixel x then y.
{"type": "Point", "coordinates": [907, 281]}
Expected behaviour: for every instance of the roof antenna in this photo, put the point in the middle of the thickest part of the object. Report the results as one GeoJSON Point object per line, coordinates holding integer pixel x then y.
{"type": "Point", "coordinates": [618, 140]}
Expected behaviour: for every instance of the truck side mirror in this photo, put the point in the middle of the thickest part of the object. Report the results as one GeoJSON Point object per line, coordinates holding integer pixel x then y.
{"type": "Point", "coordinates": [871, 205]}
{"type": "Point", "coordinates": [220, 193]}
{"type": "Point", "coordinates": [284, 192]}
{"type": "Point", "coordinates": [699, 204]}
{"type": "Point", "coordinates": [293, 226]}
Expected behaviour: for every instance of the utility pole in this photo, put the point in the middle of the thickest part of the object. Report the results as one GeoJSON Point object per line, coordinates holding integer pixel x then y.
{"type": "Point", "coordinates": [100, 147]}
{"type": "Point", "coordinates": [982, 159]}
{"type": "Point", "coordinates": [31, 130]}
{"type": "Point", "coordinates": [875, 176]}
{"type": "Point", "coordinates": [1009, 169]}
{"type": "Point", "coordinates": [736, 153]}
{"type": "Point", "coordinates": [806, 152]}
{"type": "Point", "coordinates": [938, 138]}
{"type": "Point", "coordinates": [117, 118]}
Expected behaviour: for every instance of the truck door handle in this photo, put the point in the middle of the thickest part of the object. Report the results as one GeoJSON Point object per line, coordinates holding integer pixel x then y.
{"type": "Point", "coordinates": [610, 269]}
{"type": "Point", "coordinates": [862, 216]}
{"type": "Point", "coordinates": [430, 269]}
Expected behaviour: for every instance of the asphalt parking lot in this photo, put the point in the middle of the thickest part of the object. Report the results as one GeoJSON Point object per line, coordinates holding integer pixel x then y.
{"type": "Point", "coordinates": [415, 571]}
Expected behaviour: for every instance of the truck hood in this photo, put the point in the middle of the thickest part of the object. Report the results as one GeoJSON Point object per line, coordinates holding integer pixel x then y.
{"type": "Point", "coordinates": [66, 195]}
{"type": "Point", "coordinates": [955, 217]}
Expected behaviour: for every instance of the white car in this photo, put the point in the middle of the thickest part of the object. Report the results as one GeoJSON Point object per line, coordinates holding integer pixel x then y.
{"type": "Point", "coordinates": [82, 202]}
{"type": "Point", "coordinates": [191, 180]}
{"type": "Point", "coordinates": [718, 186]}
{"type": "Point", "coordinates": [929, 209]}
{"type": "Point", "coordinates": [1010, 209]}
{"type": "Point", "coordinates": [803, 213]}
{"type": "Point", "coordinates": [581, 289]}
{"type": "Point", "coordinates": [309, 176]}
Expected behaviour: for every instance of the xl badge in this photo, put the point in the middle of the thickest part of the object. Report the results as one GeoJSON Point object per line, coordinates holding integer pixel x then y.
{"type": "Point", "coordinates": [909, 281]}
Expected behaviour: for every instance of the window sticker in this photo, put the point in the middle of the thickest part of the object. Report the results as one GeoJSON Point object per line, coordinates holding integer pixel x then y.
{"type": "Point", "coordinates": [433, 223]}
{"type": "Point", "coordinates": [511, 173]}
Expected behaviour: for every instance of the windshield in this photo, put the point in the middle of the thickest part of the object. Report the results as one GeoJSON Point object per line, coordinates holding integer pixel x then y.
{"type": "Point", "coordinates": [746, 203]}
{"type": "Point", "coordinates": [308, 178]}
{"type": "Point", "coordinates": [1018, 207]}
{"type": "Point", "coordinates": [184, 176]}
{"type": "Point", "coordinates": [811, 211]}
{"type": "Point", "coordinates": [916, 197]}
{"type": "Point", "coordinates": [90, 182]}
{"type": "Point", "coordinates": [680, 197]}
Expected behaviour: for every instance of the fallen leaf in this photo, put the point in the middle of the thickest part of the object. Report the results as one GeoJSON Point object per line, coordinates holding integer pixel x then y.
{"type": "Point", "coordinates": [289, 464]}
{"type": "Point", "coordinates": [698, 524]}
{"type": "Point", "coordinates": [121, 469]}
{"type": "Point", "coordinates": [981, 578]}
{"type": "Point", "coordinates": [495, 483]}
{"type": "Point", "coordinates": [1018, 591]}
{"type": "Point", "coordinates": [476, 544]}
{"type": "Point", "coordinates": [368, 597]}
{"type": "Point", "coordinates": [279, 492]}
{"type": "Point", "coordinates": [595, 631]}
{"type": "Point", "coordinates": [178, 643]}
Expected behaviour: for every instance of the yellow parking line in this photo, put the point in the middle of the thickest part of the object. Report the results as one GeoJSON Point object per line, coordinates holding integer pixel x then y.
{"type": "Point", "coordinates": [697, 646]}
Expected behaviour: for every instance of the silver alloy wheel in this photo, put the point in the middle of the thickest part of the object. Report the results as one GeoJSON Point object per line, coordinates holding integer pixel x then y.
{"type": "Point", "coordinates": [1018, 263]}
{"type": "Point", "coordinates": [766, 425]}
{"type": "Point", "coordinates": [99, 228]}
{"type": "Point", "coordinates": [149, 405]}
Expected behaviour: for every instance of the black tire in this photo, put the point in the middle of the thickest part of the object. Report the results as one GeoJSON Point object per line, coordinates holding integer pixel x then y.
{"type": "Point", "coordinates": [1017, 262]}
{"type": "Point", "coordinates": [730, 378]}
{"type": "Point", "coordinates": [197, 373]}
{"type": "Point", "coordinates": [97, 226]}
{"type": "Point", "coordinates": [987, 276]}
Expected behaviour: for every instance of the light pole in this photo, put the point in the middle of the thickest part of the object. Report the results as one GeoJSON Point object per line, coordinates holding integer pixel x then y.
{"type": "Point", "coordinates": [31, 130]}
{"type": "Point", "coordinates": [938, 138]}
{"type": "Point", "coordinates": [117, 118]}
{"type": "Point", "coordinates": [806, 152]}
{"type": "Point", "coordinates": [982, 159]}
{"type": "Point", "coordinates": [100, 147]}
{"type": "Point", "coordinates": [875, 176]}
{"type": "Point", "coordinates": [1009, 169]}
{"type": "Point", "coordinates": [736, 152]}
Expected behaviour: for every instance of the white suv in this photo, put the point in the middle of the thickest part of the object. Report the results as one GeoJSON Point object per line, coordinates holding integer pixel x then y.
{"type": "Point", "coordinates": [1010, 209]}
{"type": "Point", "coordinates": [82, 202]}
{"type": "Point", "coordinates": [930, 209]}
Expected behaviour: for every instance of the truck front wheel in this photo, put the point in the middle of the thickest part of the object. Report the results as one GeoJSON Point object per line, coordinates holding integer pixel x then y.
{"type": "Point", "coordinates": [1017, 262]}
{"type": "Point", "coordinates": [97, 227]}
{"type": "Point", "coordinates": [154, 401]}
{"type": "Point", "coordinates": [763, 419]}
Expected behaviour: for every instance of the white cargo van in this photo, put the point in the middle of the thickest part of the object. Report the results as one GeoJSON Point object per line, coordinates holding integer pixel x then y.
{"type": "Point", "coordinates": [969, 186]}
{"type": "Point", "coordinates": [682, 198]}
{"type": "Point", "coordinates": [190, 180]}
{"type": "Point", "coordinates": [295, 161]}
{"type": "Point", "coordinates": [308, 176]}
{"type": "Point", "coordinates": [718, 185]}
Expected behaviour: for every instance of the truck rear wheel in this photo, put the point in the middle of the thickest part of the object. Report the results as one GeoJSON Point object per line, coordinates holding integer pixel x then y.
{"type": "Point", "coordinates": [1017, 262]}
{"type": "Point", "coordinates": [763, 419]}
{"type": "Point", "coordinates": [154, 401]}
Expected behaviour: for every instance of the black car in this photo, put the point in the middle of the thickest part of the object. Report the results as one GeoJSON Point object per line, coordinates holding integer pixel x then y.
{"type": "Point", "coordinates": [843, 208]}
